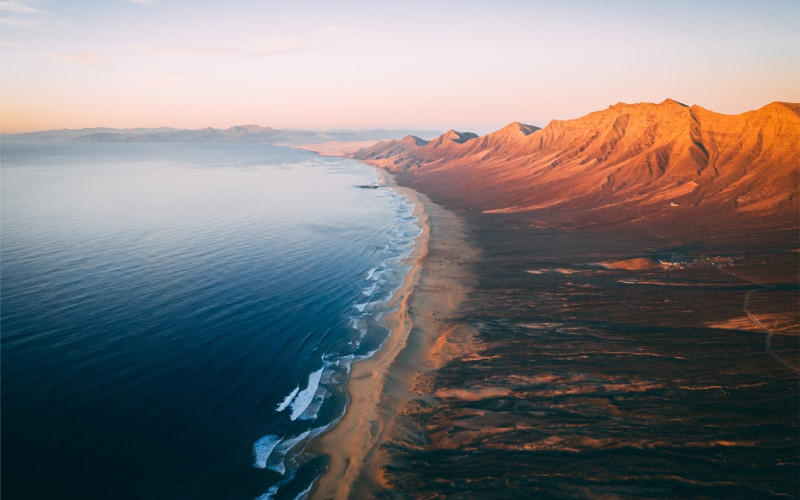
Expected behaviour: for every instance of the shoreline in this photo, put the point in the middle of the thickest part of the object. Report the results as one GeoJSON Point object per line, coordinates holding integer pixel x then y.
{"type": "Point", "coordinates": [379, 386]}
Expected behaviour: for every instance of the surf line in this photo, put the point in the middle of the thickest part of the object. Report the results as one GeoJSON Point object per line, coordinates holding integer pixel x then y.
{"type": "Point", "coordinates": [351, 441]}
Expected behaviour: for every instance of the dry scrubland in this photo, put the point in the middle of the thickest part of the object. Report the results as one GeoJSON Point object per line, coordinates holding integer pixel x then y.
{"type": "Point", "coordinates": [608, 307]}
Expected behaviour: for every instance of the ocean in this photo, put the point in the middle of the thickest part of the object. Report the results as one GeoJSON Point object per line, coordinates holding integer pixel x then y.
{"type": "Point", "coordinates": [178, 320]}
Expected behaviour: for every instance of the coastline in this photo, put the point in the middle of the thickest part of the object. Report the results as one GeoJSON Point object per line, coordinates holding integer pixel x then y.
{"type": "Point", "coordinates": [379, 386]}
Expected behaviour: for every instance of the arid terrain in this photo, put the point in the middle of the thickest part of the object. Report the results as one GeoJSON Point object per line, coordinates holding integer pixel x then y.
{"type": "Point", "coordinates": [663, 162]}
{"type": "Point", "coordinates": [631, 327]}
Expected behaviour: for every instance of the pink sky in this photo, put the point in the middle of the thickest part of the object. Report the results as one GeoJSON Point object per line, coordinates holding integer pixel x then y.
{"type": "Point", "coordinates": [469, 65]}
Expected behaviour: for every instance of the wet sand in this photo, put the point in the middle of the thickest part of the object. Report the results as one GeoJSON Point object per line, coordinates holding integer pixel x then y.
{"type": "Point", "coordinates": [379, 386]}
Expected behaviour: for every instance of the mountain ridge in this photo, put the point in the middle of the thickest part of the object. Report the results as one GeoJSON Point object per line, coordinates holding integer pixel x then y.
{"type": "Point", "coordinates": [248, 133]}
{"type": "Point", "coordinates": [665, 158]}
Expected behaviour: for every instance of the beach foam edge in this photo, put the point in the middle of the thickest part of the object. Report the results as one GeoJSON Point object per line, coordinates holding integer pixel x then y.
{"type": "Point", "coordinates": [348, 443]}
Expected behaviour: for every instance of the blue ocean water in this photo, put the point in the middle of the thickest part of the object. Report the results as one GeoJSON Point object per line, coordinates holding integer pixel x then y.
{"type": "Point", "coordinates": [178, 320]}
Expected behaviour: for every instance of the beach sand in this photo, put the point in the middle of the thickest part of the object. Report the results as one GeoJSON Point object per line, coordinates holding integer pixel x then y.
{"type": "Point", "coordinates": [421, 312]}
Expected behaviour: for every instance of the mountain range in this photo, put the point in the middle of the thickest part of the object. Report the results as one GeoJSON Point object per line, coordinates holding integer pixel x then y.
{"type": "Point", "coordinates": [240, 133]}
{"type": "Point", "coordinates": [663, 161]}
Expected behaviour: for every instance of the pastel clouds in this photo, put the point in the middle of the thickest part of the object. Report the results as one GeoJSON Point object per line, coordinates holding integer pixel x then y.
{"type": "Point", "coordinates": [20, 6]}
{"type": "Point", "coordinates": [20, 13]}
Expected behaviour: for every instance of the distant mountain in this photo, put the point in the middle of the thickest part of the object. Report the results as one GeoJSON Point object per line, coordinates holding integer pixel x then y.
{"type": "Point", "coordinates": [242, 133]}
{"type": "Point", "coordinates": [66, 135]}
{"type": "Point", "coordinates": [664, 159]}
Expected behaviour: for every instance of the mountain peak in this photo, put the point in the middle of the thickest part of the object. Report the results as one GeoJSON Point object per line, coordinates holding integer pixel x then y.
{"type": "Point", "coordinates": [458, 137]}
{"type": "Point", "coordinates": [413, 140]}
{"type": "Point", "coordinates": [782, 107]}
{"type": "Point", "coordinates": [667, 103]}
{"type": "Point", "coordinates": [451, 138]}
{"type": "Point", "coordinates": [517, 129]}
{"type": "Point", "coordinates": [665, 158]}
{"type": "Point", "coordinates": [672, 102]}
{"type": "Point", "coordinates": [249, 129]}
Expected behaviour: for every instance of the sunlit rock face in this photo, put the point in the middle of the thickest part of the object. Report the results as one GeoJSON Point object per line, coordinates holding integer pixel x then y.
{"type": "Point", "coordinates": [663, 161]}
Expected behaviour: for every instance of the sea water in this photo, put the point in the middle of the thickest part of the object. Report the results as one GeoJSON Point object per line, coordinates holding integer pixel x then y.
{"type": "Point", "coordinates": [179, 320]}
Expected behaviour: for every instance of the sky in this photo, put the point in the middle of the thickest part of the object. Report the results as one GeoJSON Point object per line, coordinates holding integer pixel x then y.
{"type": "Point", "coordinates": [471, 65]}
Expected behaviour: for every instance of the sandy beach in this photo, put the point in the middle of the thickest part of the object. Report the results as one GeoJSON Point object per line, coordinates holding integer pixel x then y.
{"type": "Point", "coordinates": [379, 386]}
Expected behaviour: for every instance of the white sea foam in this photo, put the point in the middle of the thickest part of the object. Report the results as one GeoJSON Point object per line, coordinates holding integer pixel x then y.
{"type": "Point", "coordinates": [288, 400]}
{"type": "Point", "coordinates": [304, 398]}
{"type": "Point", "coordinates": [263, 448]}
{"type": "Point", "coordinates": [275, 461]}
{"type": "Point", "coordinates": [270, 494]}
{"type": "Point", "coordinates": [379, 285]}
{"type": "Point", "coordinates": [371, 305]}
{"type": "Point", "coordinates": [348, 364]}
{"type": "Point", "coordinates": [358, 325]}
{"type": "Point", "coordinates": [370, 353]}
{"type": "Point", "coordinates": [313, 408]}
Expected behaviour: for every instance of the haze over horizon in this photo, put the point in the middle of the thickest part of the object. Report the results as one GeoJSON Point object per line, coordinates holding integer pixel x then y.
{"type": "Point", "coordinates": [471, 65]}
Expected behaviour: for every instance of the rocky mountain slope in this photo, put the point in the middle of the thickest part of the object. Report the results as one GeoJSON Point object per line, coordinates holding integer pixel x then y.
{"type": "Point", "coordinates": [664, 160]}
